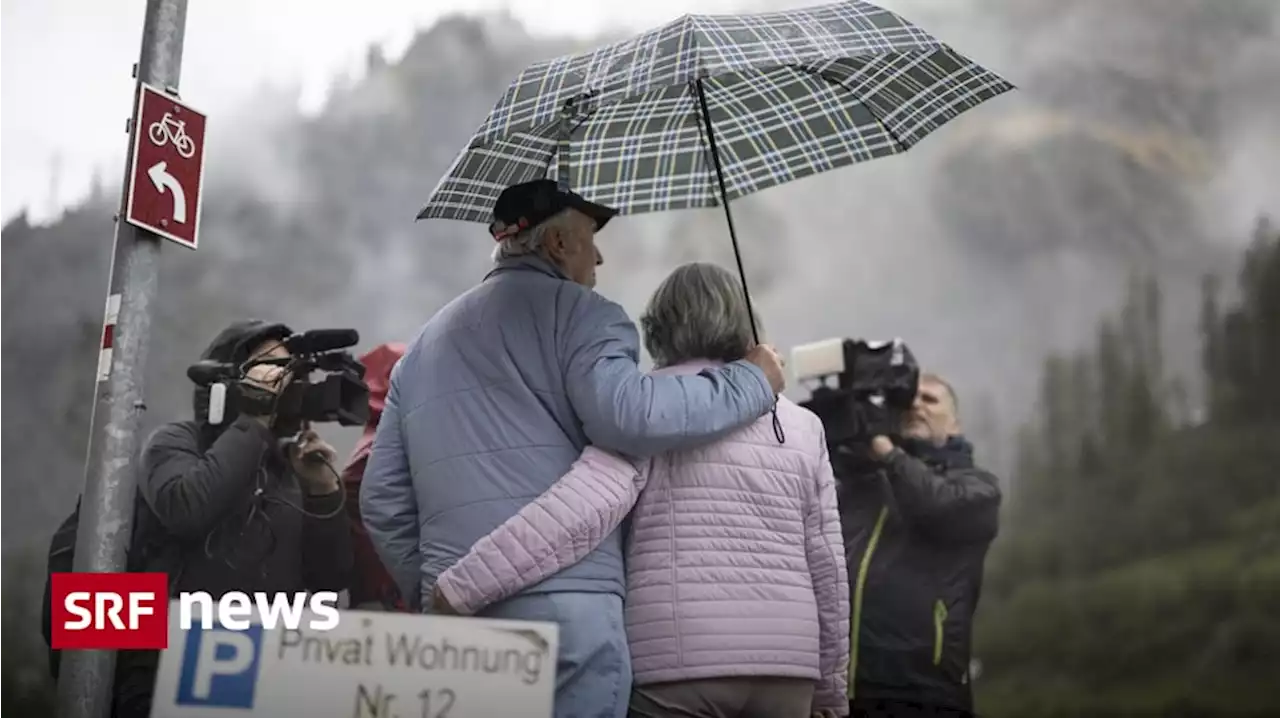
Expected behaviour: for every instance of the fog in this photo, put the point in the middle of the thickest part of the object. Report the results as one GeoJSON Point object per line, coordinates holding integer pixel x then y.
{"type": "Point", "coordinates": [1141, 136]}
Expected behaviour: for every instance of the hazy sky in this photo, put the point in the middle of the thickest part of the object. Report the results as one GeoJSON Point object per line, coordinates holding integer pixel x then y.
{"type": "Point", "coordinates": [66, 84]}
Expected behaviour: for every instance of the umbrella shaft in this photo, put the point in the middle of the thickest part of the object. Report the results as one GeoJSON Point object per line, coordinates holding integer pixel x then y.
{"type": "Point", "coordinates": [724, 202]}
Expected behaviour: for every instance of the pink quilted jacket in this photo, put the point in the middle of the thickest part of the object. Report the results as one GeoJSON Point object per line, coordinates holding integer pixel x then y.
{"type": "Point", "coordinates": [735, 563]}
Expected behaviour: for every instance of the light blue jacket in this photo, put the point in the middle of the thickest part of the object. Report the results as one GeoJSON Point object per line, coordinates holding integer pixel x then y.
{"type": "Point", "coordinates": [497, 397]}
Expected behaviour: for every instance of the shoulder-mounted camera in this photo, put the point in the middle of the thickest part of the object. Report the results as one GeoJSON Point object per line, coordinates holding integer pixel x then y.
{"type": "Point", "coordinates": [324, 384]}
{"type": "Point", "coordinates": [874, 387]}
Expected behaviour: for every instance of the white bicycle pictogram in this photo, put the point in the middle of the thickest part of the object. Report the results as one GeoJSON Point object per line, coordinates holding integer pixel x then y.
{"type": "Point", "coordinates": [167, 129]}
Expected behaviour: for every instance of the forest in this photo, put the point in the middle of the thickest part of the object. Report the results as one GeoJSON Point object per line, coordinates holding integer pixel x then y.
{"type": "Point", "coordinates": [1138, 571]}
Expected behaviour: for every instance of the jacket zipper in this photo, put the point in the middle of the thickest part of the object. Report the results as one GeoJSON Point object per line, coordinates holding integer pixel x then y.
{"type": "Point", "coordinates": [856, 623]}
{"type": "Point", "coordinates": [939, 620]}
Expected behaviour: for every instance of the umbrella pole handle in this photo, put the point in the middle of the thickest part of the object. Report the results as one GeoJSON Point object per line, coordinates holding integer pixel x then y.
{"type": "Point", "coordinates": [733, 234]}
{"type": "Point", "coordinates": [724, 202]}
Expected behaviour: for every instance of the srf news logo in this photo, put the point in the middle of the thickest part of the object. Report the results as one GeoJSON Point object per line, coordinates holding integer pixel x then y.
{"type": "Point", "coordinates": [109, 611]}
{"type": "Point", "coordinates": [112, 611]}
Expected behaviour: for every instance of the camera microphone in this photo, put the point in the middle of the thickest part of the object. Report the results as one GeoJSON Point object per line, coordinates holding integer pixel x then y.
{"type": "Point", "coordinates": [316, 341]}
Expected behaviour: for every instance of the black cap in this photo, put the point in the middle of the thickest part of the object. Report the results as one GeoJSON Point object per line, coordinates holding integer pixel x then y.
{"type": "Point", "coordinates": [235, 343]}
{"type": "Point", "coordinates": [529, 204]}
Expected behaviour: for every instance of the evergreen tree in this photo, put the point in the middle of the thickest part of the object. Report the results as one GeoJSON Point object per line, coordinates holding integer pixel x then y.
{"type": "Point", "coordinates": [1148, 559]}
{"type": "Point", "coordinates": [1211, 362]}
{"type": "Point", "coordinates": [1245, 343]}
{"type": "Point", "coordinates": [1112, 382]}
{"type": "Point", "coordinates": [1086, 407]}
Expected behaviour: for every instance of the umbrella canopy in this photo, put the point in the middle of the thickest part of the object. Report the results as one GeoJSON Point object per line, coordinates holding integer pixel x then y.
{"type": "Point", "coordinates": [787, 95]}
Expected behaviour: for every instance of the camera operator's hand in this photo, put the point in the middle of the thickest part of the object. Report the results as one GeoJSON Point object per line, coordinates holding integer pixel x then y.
{"type": "Point", "coordinates": [767, 358]}
{"type": "Point", "coordinates": [313, 460]}
{"type": "Point", "coordinates": [266, 376]}
{"type": "Point", "coordinates": [270, 378]}
{"type": "Point", "coordinates": [881, 447]}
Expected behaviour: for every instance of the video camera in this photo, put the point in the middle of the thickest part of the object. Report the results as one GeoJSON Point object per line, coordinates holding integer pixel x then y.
{"type": "Point", "coordinates": [875, 387]}
{"type": "Point", "coordinates": [340, 395]}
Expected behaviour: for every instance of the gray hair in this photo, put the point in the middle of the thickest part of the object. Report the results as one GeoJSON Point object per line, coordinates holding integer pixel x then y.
{"type": "Point", "coordinates": [933, 378]}
{"type": "Point", "coordinates": [530, 240]}
{"type": "Point", "coordinates": [698, 312]}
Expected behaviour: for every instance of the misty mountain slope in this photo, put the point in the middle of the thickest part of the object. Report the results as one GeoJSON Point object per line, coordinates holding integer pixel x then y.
{"type": "Point", "coordinates": [308, 220]}
{"type": "Point", "coordinates": [981, 258]}
{"type": "Point", "coordinates": [51, 338]}
{"type": "Point", "coordinates": [1123, 147]}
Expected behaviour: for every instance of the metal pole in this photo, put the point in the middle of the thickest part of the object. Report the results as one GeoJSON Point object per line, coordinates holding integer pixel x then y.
{"type": "Point", "coordinates": [106, 506]}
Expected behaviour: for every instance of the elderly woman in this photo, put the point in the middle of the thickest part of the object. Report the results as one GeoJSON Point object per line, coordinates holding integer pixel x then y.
{"type": "Point", "coordinates": [737, 594]}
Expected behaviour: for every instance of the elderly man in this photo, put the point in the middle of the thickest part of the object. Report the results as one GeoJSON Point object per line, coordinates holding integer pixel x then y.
{"type": "Point", "coordinates": [499, 394]}
{"type": "Point", "coordinates": [916, 537]}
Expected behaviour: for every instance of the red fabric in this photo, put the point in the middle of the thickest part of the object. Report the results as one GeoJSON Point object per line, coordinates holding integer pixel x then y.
{"type": "Point", "coordinates": [373, 583]}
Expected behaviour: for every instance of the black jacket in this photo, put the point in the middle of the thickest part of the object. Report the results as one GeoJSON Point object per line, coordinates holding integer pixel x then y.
{"type": "Point", "coordinates": [916, 534]}
{"type": "Point", "coordinates": [234, 518]}
{"type": "Point", "coordinates": [241, 515]}
{"type": "Point", "coordinates": [230, 509]}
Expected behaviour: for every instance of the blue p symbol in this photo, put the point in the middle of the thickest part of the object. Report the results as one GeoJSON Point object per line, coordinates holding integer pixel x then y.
{"type": "Point", "coordinates": [220, 667]}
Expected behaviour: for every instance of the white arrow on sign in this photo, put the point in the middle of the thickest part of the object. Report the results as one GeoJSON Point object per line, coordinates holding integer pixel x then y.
{"type": "Point", "coordinates": [161, 178]}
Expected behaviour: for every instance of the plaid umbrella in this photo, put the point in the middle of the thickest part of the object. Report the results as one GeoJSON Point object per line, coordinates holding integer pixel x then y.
{"type": "Point", "coordinates": [641, 125]}
{"type": "Point", "coordinates": [707, 109]}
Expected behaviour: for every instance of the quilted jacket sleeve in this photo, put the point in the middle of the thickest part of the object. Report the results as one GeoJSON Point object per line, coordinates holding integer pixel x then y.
{"type": "Point", "coordinates": [555, 530]}
{"type": "Point", "coordinates": [824, 546]}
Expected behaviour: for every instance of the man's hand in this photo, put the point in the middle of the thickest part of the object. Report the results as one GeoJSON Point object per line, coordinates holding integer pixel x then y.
{"type": "Point", "coordinates": [824, 713]}
{"type": "Point", "coordinates": [881, 447]}
{"type": "Point", "coordinates": [313, 461]}
{"type": "Point", "coordinates": [266, 376]}
{"type": "Point", "coordinates": [767, 358]}
{"type": "Point", "coordinates": [440, 605]}
{"type": "Point", "coordinates": [269, 378]}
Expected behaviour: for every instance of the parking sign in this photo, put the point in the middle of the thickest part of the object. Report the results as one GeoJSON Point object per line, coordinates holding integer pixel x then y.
{"type": "Point", "coordinates": [372, 665]}
{"type": "Point", "coordinates": [220, 667]}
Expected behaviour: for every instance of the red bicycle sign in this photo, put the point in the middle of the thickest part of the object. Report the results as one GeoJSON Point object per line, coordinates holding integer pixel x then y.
{"type": "Point", "coordinates": [167, 167]}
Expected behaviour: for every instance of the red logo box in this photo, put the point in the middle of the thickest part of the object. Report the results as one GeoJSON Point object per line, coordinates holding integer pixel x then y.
{"type": "Point", "coordinates": [109, 611]}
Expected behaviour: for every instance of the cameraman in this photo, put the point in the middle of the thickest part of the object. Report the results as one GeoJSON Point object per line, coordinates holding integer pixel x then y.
{"type": "Point", "coordinates": [917, 521]}
{"type": "Point", "coordinates": [235, 506]}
